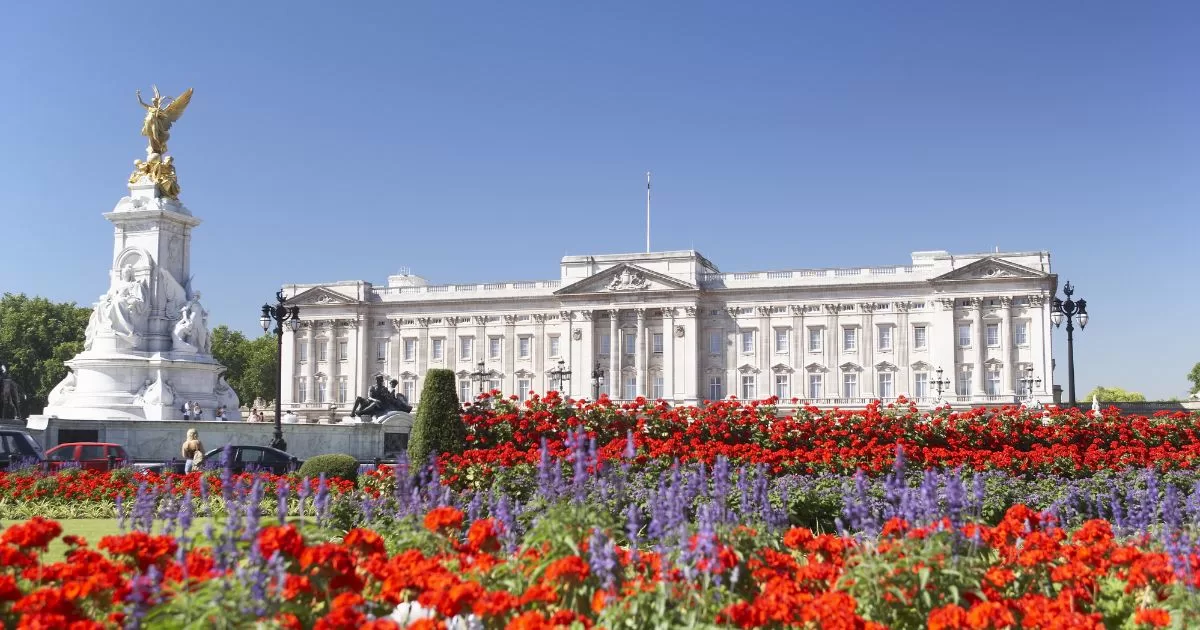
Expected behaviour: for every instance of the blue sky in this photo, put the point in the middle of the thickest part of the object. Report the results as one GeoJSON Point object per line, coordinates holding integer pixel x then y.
{"type": "Point", "coordinates": [482, 141]}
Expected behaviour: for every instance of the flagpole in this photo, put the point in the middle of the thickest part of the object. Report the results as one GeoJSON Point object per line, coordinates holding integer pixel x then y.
{"type": "Point", "coordinates": [647, 212]}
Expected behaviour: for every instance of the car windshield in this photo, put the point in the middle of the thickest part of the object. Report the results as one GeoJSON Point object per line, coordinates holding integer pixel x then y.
{"type": "Point", "coordinates": [91, 451]}
{"type": "Point", "coordinates": [32, 445]}
{"type": "Point", "coordinates": [64, 454]}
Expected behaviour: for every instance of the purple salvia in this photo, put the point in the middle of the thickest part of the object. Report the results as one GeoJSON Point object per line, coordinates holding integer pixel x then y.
{"type": "Point", "coordinates": [630, 446]}
{"type": "Point", "coordinates": [281, 501]}
{"type": "Point", "coordinates": [474, 507]}
{"type": "Point", "coordinates": [633, 527]}
{"type": "Point", "coordinates": [602, 559]}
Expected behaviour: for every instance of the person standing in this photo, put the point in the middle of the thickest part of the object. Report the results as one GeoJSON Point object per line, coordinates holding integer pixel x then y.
{"type": "Point", "coordinates": [220, 414]}
{"type": "Point", "coordinates": [187, 410]}
{"type": "Point", "coordinates": [197, 411]}
{"type": "Point", "coordinates": [192, 451]}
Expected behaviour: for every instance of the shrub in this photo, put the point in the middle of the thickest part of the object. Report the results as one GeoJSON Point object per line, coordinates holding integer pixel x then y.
{"type": "Point", "coordinates": [337, 465]}
{"type": "Point", "coordinates": [438, 427]}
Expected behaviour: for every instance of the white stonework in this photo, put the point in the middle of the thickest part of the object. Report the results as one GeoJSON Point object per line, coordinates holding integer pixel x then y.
{"type": "Point", "coordinates": [147, 349]}
{"type": "Point", "coordinates": [670, 325]}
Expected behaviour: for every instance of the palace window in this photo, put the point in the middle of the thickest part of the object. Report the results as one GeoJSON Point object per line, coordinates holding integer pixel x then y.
{"type": "Point", "coordinates": [781, 388]}
{"type": "Point", "coordinates": [815, 338]}
{"type": "Point", "coordinates": [656, 390]}
{"type": "Point", "coordinates": [630, 343]}
{"type": "Point", "coordinates": [885, 337]}
{"type": "Point", "coordinates": [921, 385]}
{"type": "Point", "coordinates": [524, 386]}
{"type": "Point", "coordinates": [409, 389]}
{"type": "Point", "coordinates": [323, 350]}
{"type": "Point", "coordinates": [465, 348]}
{"type": "Point", "coordinates": [343, 386]}
{"type": "Point", "coordinates": [814, 385]}
{"type": "Point", "coordinates": [524, 343]}
{"type": "Point", "coordinates": [849, 385]}
{"type": "Point", "coordinates": [1021, 334]}
{"type": "Point", "coordinates": [629, 387]}
{"type": "Point", "coordinates": [343, 350]}
{"type": "Point", "coordinates": [605, 344]}
{"type": "Point", "coordinates": [464, 391]}
{"type": "Point", "coordinates": [781, 340]}
{"type": "Point", "coordinates": [849, 339]}
{"type": "Point", "coordinates": [963, 386]}
{"type": "Point", "coordinates": [886, 390]}
{"type": "Point", "coordinates": [715, 392]}
{"type": "Point", "coordinates": [437, 349]}
{"type": "Point", "coordinates": [748, 392]}
{"type": "Point", "coordinates": [321, 391]}
{"type": "Point", "coordinates": [993, 335]}
{"type": "Point", "coordinates": [302, 389]}
{"type": "Point", "coordinates": [657, 341]}
{"type": "Point", "coordinates": [410, 349]}
{"type": "Point", "coordinates": [993, 382]}
{"type": "Point", "coordinates": [747, 342]}
{"type": "Point", "coordinates": [964, 335]}
{"type": "Point", "coordinates": [920, 337]}
{"type": "Point", "coordinates": [303, 351]}
{"type": "Point", "coordinates": [494, 347]}
{"type": "Point", "coordinates": [381, 349]}
{"type": "Point", "coordinates": [716, 341]}
{"type": "Point", "coordinates": [554, 349]}
{"type": "Point", "coordinates": [493, 385]}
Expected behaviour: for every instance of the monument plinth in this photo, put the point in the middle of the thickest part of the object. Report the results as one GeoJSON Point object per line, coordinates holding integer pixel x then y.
{"type": "Point", "coordinates": [147, 348]}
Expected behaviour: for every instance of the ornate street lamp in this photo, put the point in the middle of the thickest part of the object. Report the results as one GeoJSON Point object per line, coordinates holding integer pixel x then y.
{"type": "Point", "coordinates": [280, 314]}
{"type": "Point", "coordinates": [940, 384]}
{"type": "Point", "coordinates": [480, 374]}
{"type": "Point", "coordinates": [1070, 311]}
{"type": "Point", "coordinates": [597, 381]}
{"type": "Point", "coordinates": [1029, 383]}
{"type": "Point", "coordinates": [560, 374]}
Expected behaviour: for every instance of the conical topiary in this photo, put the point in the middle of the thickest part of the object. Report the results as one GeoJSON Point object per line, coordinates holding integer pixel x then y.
{"type": "Point", "coordinates": [438, 427]}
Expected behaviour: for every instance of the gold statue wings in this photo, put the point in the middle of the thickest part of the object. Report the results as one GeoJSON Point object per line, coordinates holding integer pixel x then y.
{"type": "Point", "coordinates": [173, 111]}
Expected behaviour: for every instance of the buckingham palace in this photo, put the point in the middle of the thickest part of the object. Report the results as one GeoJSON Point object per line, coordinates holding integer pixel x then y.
{"type": "Point", "coordinates": [672, 326]}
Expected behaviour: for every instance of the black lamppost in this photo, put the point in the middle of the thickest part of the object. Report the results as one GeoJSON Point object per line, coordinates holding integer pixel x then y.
{"type": "Point", "coordinates": [1070, 310]}
{"type": "Point", "coordinates": [597, 381]}
{"type": "Point", "coordinates": [560, 374]}
{"type": "Point", "coordinates": [940, 383]}
{"type": "Point", "coordinates": [280, 313]}
{"type": "Point", "coordinates": [1029, 382]}
{"type": "Point", "coordinates": [480, 374]}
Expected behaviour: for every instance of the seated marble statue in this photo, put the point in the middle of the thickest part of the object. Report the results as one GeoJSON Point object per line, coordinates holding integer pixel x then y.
{"type": "Point", "coordinates": [122, 312]}
{"type": "Point", "coordinates": [378, 402]}
{"type": "Point", "coordinates": [190, 333]}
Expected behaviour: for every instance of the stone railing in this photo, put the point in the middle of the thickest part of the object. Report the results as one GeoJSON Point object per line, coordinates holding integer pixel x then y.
{"type": "Point", "coordinates": [450, 291]}
{"type": "Point", "coordinates": [801, 276]}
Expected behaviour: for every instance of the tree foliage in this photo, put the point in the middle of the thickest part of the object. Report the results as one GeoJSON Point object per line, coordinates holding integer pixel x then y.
{"type": "Point", "coordinates": [36, 337]}
{"type": "Point", "coordinates": [1194, 377]}
{"type": "Point", "coordinates": [251, 364]}
{"type": "Point", "coordinates": [438, 427]}
{"type": "Point", "coordinates": [1114, 394]}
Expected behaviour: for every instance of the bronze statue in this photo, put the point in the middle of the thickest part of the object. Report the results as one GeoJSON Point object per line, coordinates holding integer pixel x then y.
{"type": "Point", "coordinates": [161, 113]}
{"type": "Point", "coordinates": [378, 402]}
{"type": "Point", "coordinates": [10, 396]}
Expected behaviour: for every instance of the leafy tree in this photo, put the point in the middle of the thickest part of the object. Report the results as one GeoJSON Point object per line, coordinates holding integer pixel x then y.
{"type": "Point", "coordinates": [1114, 394]}
{"type": "Point", "coordinates": [438, 427]}
{"type": "Point", "coordinates": [1194, 377]}
{"type": "Point", "coordinates": [251, 365]}
{"type": "Point", "coordinates": [36, 337]}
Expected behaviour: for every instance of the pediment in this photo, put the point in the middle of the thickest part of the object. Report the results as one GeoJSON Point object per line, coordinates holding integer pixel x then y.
{"type": "Point", "coordinates": [523, 373]}
{"type": "Point", "coordinates": [746, 368]}
{"type": "Point", "coordinates": [921, 366]}
{"type": "Point", "coordinates": [884, 366]}
{"type": "Point", "coordinates": [850, 367]}
{"type": "Point", "coordinates": [626, 278]}
{"type": "Point", "coordinates": [318, 296]}
{"type": "Point", "coordinates": [995, 363]}
{"type": "Point", "coordinates": [781, 368]}
{"type": "Point", "coordinates": [991, 268]}
{"type": "Point", "coordinates": [815, 367]}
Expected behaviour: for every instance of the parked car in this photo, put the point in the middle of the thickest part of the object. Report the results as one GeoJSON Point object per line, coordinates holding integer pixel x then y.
{"type": "Point", "coordinates": [18, 447]}
{"type": "Point", "coordinates": [102, 456]}
{"type": "Point", "coordinates": [251, 459]}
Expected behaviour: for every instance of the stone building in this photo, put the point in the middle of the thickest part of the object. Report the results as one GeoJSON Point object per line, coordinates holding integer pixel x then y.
{"type": "Point", "coordinates": [671, 325]}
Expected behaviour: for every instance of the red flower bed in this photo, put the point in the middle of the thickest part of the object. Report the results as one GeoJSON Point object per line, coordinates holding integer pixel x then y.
{"type": "Point", "coordinates": [94, 485]}
{"type": "Point", "coordinates": [1011, 439]}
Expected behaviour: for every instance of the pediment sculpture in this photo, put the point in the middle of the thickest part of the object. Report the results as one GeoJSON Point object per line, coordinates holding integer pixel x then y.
{"type": "Point", "coordinates": [628, 280]}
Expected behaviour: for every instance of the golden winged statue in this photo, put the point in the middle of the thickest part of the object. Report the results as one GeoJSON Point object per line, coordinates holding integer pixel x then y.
{"type": "Point", "coordinates": [161, 113]}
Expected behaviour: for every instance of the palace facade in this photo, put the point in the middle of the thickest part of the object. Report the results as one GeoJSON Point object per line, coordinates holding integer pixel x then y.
{"type": "Point", "coordinates": [671, 325]}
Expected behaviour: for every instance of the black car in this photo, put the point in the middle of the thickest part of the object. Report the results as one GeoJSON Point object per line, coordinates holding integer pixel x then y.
{"type": "Point", "coordinates": [251, 459]}
{"type": "Point", "coordinates": [18, 448]}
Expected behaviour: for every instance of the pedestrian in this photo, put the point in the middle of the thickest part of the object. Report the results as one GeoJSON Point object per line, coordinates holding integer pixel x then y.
{"type": "Point", "coordinates": [192, 451]}
{"type": "Point", "coordinates": [187, 410]}
{"type": "Point", "coordinates": [197, 412]}
{"type": "Point", "coordinates": [220, 414]}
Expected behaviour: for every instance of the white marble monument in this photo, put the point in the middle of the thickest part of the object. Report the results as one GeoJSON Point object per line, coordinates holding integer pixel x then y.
{"type": "Point", "coordinates": [147, 349]}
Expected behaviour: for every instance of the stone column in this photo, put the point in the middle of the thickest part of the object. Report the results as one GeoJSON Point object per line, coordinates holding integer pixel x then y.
{"type": "Point", "coordinates": [451, 349]}
{"type": "Point", "coordinates": [833, 349]}
{"type": "Point", "coordinates": [866, 353]}
{"type": "Point", "coordinates": [980, 342]}
{"type": "Point", "coordinates": [482, 344]}
{"type": "Point", "coordinates": [1040, 341]}
{"type": "Point", "coordinates": [424, 349]}
{"type": "Point", "coordinates": [539, 354]}
{"type": "Point", "coordinates": [1007, 349]}
{"type": "Point", "coordinates": [364, 359]}
{"type": "Point", "coordinates": [614, 354]}
{"type": "Point", "coordinates": [639, 352]}
{"type": "Point", "coordinates": [943, 346]}
{"type": "Point", "coordinates": [668, 357]}
{"type": "Point", "coordinates": [689, 362]}
{"type": "Point", "coordinates": [766, 352]}
{"type": "Point", "coordinates": [587, 355]}
{"type": "Point", "coordinates": [567, 337]}
{"type": "Point", "coordinates": [311, 372]}
{"type": "Point", "coordinates": [510, 359]}
{"type": "Point", "coordinates": [900, 336]}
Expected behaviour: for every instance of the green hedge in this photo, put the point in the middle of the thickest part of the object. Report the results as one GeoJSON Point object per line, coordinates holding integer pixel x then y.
{"type": "Point", "coordinates": [342, 466]}
{"type": "Point", "coordinates": [438, 427]}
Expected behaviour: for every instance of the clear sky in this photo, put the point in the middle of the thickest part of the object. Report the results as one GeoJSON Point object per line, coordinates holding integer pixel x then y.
{"type": "Point", "coordinates": [480, 142]}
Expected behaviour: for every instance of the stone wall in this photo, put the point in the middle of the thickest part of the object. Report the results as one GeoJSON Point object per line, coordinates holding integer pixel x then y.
{"type": "Point", "coordinates": [161, 440]}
